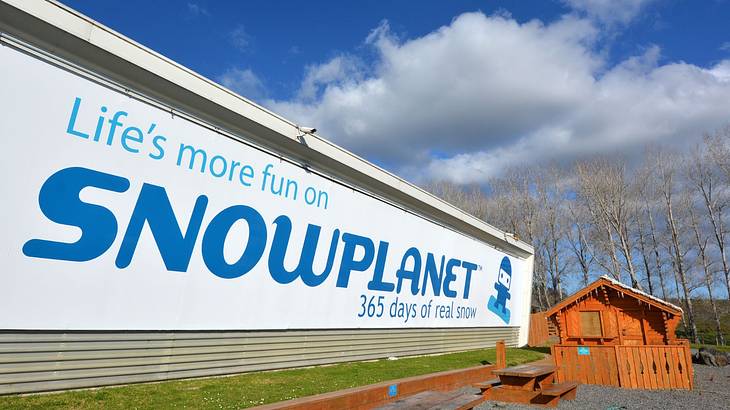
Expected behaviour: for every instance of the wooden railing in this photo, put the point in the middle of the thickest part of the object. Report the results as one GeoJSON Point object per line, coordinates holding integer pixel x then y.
{"type": "Point", "coordinates": [634, 367]}
{"type": "Point", "coordinates": [501, 354]}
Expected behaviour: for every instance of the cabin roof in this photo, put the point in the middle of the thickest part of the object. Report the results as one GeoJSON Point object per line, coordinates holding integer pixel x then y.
{"type": "Point", "coordinates": [621, 287]}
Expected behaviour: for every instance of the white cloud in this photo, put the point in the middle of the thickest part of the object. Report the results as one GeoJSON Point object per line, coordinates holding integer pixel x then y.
{"type": "Point", "coordinates": [196, 10]}
{"type": "Point", "coordinates": [336, 72]}
{"type": "Point", "coordinates": [454, 89]}
{"type": "Point", "coordinates": [243, 82]}
{"type": "Point", "coordinates": [722, 71]}
{"type": "Point", "coordinates": [609, 11]}
{"type": "Point", "coordinates": [240, 38]}
{"type": "Point", "coordinates": [484, 93]}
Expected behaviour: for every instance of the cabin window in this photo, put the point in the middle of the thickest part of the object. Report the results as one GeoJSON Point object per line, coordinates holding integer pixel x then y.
{"type": "Point", "coordinates": [590, 324]}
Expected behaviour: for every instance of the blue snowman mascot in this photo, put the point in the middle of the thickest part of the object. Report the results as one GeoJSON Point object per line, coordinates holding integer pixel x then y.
{"type": "Point", "coordinates": [498, 304]}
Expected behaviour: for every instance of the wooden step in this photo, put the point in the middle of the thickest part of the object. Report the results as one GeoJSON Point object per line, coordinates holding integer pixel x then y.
{"type": "Point", "coordinates": [486, 385]}
{"type": "Point", "coordinates": [559, 389]}
{"type": "Point", "coordinates": [508, 395]}
{"type": "Point", "coordinates": [432, 400]}
{"type": "Point", "coordinates": [464, 402]}
{"type": "Point", "coordinates": [500, 393]}
{"type": "Point", "coordinates": [420, 401]}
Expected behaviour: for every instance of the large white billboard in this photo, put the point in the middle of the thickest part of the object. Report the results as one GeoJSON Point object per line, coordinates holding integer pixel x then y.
{"type": "Point", "coordinates": [119, 215]}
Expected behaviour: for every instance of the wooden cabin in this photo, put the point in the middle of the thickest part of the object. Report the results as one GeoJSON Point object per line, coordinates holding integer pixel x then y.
{"type": "Point", "coordinates": [607, 312]}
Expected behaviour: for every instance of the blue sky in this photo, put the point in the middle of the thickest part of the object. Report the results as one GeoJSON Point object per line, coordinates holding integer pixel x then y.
{"type": "Point", "coordinates": [276, 39]}
{"type": "Point", "coordinates": [539, 80]}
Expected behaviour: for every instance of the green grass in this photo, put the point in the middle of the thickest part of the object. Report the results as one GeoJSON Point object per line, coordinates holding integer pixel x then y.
{"type": "Point", "coordinates": [716, 347]}
{"type": "Point", "coordinates": [253, 389]}
{"type": "Point", "coordinates": [704, 320]}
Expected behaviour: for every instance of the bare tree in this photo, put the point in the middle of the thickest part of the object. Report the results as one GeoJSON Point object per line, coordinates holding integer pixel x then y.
{"type": "Point", "coordinates": [666, 166]}
{"type": "Point", "coordinates": [469, 199]}
{"type": "Point", "coordinates": [577, 237]}
{"type": "Point", "coordinates": [643, 250]}
{"type": "Point", "coordinates": [705, 179]}
{"type": "Point", "coordinates": [643, 204]}
{"type": "Point", "coordinates": [604, 186]}
{"type": "Point", "coordinates": [655, 247]}
{"type": "Point", "coordinates": [647, 180]}
{"type": "Point", "coordinates": [704, 261]}
{"type": "Point", "coordinates": [719, 150]}
{"type": "Point", "coordinates": [636, 225]}
{"type": "Point", "coordinates": [513, 203]}
{"type": "Point", "coordinates": [551, 195]}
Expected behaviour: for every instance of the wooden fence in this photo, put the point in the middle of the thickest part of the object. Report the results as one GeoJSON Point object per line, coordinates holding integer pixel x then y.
{"type": "Point", "coordinates": [539, 331]}
{"type": "Point", "coordinates": [634, 367]}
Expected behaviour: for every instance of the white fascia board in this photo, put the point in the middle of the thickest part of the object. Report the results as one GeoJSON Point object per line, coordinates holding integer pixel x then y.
{"type": "Point", "coordinates": [525, 310]}
{"type": "Point", "coordinates": [97, 35]}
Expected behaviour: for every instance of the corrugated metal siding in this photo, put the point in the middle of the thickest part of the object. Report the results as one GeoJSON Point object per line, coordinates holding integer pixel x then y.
{"type": "Point", "coordinates": [42, 361]}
